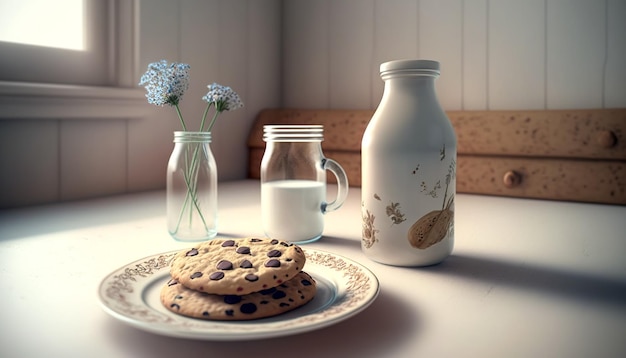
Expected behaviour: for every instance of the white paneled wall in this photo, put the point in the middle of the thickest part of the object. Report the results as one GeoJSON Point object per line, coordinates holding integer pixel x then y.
{"type": "Point", "coordinates": [614, 93]}
{"type": "Point", "coordinates": [495, 54]}
{"type": "Point", "coordinates": [499, 54]}
{"type": "Point", "coordinates": [576, 39]}
{"type": "Point", "coordinates": [232, 42]}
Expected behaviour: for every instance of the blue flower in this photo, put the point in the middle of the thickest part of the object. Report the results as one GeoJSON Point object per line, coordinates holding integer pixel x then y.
{"type": "Point", "coordinates": [223, 97]}
{"type": "Point", "coordinates": [165, 83]}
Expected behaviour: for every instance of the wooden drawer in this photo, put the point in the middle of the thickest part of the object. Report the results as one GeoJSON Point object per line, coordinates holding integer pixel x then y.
{"type": "Point", "coordinates": [574, 155]}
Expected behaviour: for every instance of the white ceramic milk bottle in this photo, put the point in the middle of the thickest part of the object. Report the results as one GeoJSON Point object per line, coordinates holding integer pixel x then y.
{"type": "Point", "coordinates": [293, 183]}
{"type": "Point", "coordinates": [408, 170]}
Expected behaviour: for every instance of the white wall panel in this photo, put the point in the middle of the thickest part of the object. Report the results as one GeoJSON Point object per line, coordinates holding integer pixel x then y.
{"type": "Point", "coordinates": [305, 35]}
{"type": "Point", "coordinates": [29, 158]}
{"type": "Point", "coordinates": [159, 31]}
{"type": "Point", "coordinates": [199, 19]}
{"type": "Point", "coordinates": [575, 53]}
{"type": "Point", "coordinates": [395, 37]}
{"type": "Point", "coordinates": [517, 53]}
{"type": "Point", "coordinates": [93, 158]}
{"type": "Point", "coordinates": [615, 72]}
{"type": "Point", "coordinates": [230, 132]}
{"type": "Point", "coordinates": [440, 39]}
{"type": "Point", "coordinates": [150, 138]}
{"type": "Point", "coordinates": [504, 54]}
{"type": "Point", "coordinates": [264, 64]}
{"type": "Point", "coordinates": [351, 53]}
{"type": "Point", "coordinates": [474, 55]}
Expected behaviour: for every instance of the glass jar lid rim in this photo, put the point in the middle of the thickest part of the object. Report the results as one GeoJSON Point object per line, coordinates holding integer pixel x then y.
{"type": "Point", "coordinates": [293, 132]}
{"type": "Point", "coordinates": [293, 127]}
{"type": "Point", "coordinates": [188, 136]}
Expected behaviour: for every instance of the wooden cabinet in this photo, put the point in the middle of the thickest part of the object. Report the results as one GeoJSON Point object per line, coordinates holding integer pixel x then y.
{"type": "Point", "coordinates": [574, 155]}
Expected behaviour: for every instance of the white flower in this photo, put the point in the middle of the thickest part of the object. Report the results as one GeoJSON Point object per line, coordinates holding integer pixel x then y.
{"type": "Point", "coordinates": [165, 83]}
{"type": "Point", "coordinates": [223, 97]}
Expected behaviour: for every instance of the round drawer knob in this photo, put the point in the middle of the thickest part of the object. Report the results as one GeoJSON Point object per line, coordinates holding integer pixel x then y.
{"type": "Point", "coordinates": [606, 139]}
{"type": "Point", "coordinates": [511, 179]}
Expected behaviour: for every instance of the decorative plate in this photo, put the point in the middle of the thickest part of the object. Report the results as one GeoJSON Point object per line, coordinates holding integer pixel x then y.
{"type": "Point", "coordinates": [344, 288]}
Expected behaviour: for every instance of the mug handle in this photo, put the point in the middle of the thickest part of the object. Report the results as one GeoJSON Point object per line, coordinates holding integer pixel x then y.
{"type": "Point", "coordinates": [342, 185]}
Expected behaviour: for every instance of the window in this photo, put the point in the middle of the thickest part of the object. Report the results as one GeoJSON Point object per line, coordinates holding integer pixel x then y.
{"type": "Point", "coordinates": [63, 20]}
{"type": "Point", "coordinates": [61, 41]}
{"type": "Point", "coordinates": [68, 58]}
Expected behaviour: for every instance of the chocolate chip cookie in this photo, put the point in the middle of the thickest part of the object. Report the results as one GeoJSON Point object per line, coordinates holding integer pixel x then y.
{"type": "Point", "coordinates": [285, 297]}
{"type": "Point", "coordinates": [237, 266]}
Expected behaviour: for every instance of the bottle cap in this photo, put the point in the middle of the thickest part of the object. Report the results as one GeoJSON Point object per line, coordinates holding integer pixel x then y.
{"type": "Point", "coordinates": [428, 67]}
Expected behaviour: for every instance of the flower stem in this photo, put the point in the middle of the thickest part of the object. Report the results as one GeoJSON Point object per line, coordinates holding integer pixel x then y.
{"type": "Point", "coordinates": [190, 174]}
{"type": "Point", "coordinates": [206, 111]}
{"type": "Point", "coordinates": [217, 113]}
{"type": "Point", "coordinates": [180, 116]}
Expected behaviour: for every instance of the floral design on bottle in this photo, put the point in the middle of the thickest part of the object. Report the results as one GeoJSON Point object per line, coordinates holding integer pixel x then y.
{"type": "Point", "coordinates": [393, 212]}
{"type": "Point", "coordinates": [368, 230]}
{"type": "Point", "coordinates": [433, 227]}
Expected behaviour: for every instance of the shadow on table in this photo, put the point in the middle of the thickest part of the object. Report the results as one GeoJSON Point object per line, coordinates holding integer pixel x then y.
{"type": "Point", "coordinates": [550, 280]}
{"type": "Point", "coordinates": [371, 333]}
{"type": "Point", "coordinates": [341, 241]}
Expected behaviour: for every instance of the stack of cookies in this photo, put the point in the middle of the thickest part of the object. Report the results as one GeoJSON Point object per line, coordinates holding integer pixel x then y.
{"type": "Point", "coordinates": [238, 279]}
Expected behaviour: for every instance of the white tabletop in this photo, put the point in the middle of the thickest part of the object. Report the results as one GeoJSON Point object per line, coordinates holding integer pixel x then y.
{"type": "Point", "coordinates": [527, 278]}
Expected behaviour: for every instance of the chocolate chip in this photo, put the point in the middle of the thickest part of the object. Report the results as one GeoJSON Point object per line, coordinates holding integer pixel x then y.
{"type": "Point", "coordinates": [278, 295]}
{"type": "Point", "coordinates": [205, 314]}
{"type": "Point", "coordinates": [274, 242]}
{"type": "Point", "coordinates": [272, 263]}
{"type": "Point", "coordinates": [256, 240]}
{"type": "Point", "coordinates": [274, 253]}
{"type": "Point", "coordinates": [252, 277]}
{"type": "Point", "coordinates": [172, 282]}
{"type": "Point", "coordinates": [283, 304]}
{"type": "Point", "coordinates": [244, 250]}
{"type": "Point", "coordinates": [306, 282]}
{"type": "Point", "coordinates": [192, 252]}
{"type": "Point", "coordinates": [268, 291]}
{"type": "Point", "coordinates": [216, 276]}
{"type": "Point", "coordinates": [264, 302]}
{"type": "Point", "coordinates": [245, 264]}
{"type": "Point", "coordinates": [224, 265]}
{"type": "Point", "coordinates": [232, 299]}
{"type": "Point", "coordinates": [196, 275]}
{"type": "Point", "coordinates": [248, 308]}
{"type": "Point", "coordinates": [228, 243]}
{"type": "Point", "coordinates": [178, 297]}
{"type": "Point", "coordinates": [229, 312]}
{"type": "Point", "coordinates": [174, 305]}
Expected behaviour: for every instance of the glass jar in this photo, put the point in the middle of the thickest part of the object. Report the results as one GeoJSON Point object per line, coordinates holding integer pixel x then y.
{"type": "Point", "coordinates": [293, 183]}
{"type": "Point", "coordinates": [408, 170]}
{"type": "Point", "coordinates": [192, 188]}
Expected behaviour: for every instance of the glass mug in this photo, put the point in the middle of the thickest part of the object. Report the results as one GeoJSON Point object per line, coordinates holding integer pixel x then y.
{"type": "Point", "coordinates": [293, 183]}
